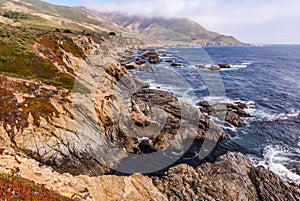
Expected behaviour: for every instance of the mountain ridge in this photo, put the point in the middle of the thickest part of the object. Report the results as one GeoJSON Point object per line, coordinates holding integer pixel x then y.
{"type": "Point", "coordinates": [184, 26]}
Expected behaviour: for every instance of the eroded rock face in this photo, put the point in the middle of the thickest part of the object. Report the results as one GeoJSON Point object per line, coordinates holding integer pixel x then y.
{"type": "Point", "coordinates": [108, 187]}
{"type": "Point", "coordinates": [169, 120]}
{"type": "Point", "coordinates": [231, 177]}
{"type": "Point", "coordinates": [270, 187]}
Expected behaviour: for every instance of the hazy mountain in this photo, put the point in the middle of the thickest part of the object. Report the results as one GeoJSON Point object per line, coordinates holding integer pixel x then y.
{"type": "Point", "coordinates": [181, 26]}
{"type": "Point", "coordinates": [44, 14]}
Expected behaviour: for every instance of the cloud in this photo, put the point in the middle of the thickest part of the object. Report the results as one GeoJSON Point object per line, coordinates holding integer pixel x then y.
{"type": "Point", "coordinates": [267, 21]}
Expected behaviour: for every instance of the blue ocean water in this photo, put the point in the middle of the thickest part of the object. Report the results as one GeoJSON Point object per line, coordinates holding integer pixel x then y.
{"type": "Point", "coordinates": [266, 77]}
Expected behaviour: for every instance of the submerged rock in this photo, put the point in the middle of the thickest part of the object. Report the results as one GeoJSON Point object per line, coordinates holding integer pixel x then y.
{"type": "Point", "coordinates": [147, 68]}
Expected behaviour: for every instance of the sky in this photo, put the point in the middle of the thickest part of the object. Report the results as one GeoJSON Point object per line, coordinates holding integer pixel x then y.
{"type": "Point", "coordinates": [252, 21]}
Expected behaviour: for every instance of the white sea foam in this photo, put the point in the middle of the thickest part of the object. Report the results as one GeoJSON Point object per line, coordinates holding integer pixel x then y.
{"type": "Point", "coordinates": [262, 115]}
{"type": "Point", "coordinates": [223, 99]}
{"type": "Point", "coordinates": [275, 159]}
{"type": "Point", "coordinates": [230, 127]}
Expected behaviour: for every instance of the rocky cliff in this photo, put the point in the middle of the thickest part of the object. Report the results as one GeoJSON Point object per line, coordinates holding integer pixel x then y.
{"type": "Point", "coordinates": [71, 113]}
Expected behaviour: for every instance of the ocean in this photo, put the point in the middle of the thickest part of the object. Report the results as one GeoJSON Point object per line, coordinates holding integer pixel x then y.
{"type": "Point", "coordinates": [264, 77]}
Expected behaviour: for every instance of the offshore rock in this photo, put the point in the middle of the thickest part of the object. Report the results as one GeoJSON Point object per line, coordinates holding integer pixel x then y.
{"type": "Point", "coordinates": [235, 112]}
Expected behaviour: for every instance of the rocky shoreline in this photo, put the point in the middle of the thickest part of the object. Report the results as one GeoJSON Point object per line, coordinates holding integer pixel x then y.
{"type": "Point", "coordinates": [81, 136]}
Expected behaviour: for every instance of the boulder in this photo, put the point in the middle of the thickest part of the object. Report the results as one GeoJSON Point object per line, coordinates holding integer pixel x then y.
{"type": "Point", "coordinates": [139, 61]}
{"type": "Point", "coordinates": [152, 57]}
{"type": "Point", "coordinates": [132, 65]}
{"type": "Point", "coordinates": [155, 59]}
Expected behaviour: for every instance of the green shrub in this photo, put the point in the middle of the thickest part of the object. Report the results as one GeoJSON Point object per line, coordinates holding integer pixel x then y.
{"type": "Point", "coordinates": [14, 15]}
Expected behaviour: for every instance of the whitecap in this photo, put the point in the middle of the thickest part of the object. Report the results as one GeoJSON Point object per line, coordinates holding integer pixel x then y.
{"type": "Point", "coordinates": [262, 115]}
{"type": "Point", "coordinates": [275, 158]}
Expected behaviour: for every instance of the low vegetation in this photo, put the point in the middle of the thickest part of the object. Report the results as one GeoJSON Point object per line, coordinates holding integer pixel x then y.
{"type": "Point", "coordinates": [14, 15]}
{"type": "Point", "coordinates": [18, 58]}
{"type": "Point", "coordinates": [15, 188]}
{"type": "Point", "coordinates": [14, 116]}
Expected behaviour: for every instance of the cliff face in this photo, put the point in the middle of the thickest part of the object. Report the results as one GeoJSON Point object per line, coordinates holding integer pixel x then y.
{"type": "Point", "coordinates": [231, 177]}
{"type": "Point", "coordinates": [70, 112]}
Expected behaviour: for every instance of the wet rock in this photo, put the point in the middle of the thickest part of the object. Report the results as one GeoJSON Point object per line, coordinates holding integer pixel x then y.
{"type": "Point", "coordinates": [177, 64]}
{"type": "Point", "coordinates": [224, 65]}
{"type": "Point", "coordinates": [235, 112]}
{"type": "Point", "coordinates": [147, 68]}
{"type": "Point", "coordinates": [170, 61]}
{"type": "Point", "coordinates": [155, 59]}
{"type": "Point", "coordinates": [168, 116]}
{"type": "Point", "coordinates": [214, 68]}
{"type": "Point", "coordinates": [132, 65]}
{"type": "Point", "coordinates": [145, 146]}
{"type": "Point", "coordinates": [147, 54]}
{"type": "Point", "coordinates": [270, 187]}
{"type": "Point", "coordinates": [231, 178]}
{"type": "Point", "coordinates": [139, 61]}
{"type": "Point", "coordinates": [152, 57]}
{"type": "Point", "coordinates": [234, 118]}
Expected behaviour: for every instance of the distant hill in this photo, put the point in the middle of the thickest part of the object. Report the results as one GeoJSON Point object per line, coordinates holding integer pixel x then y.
{"type": "Point", "coordinates": [41, 14]}
{"type": "Point", "coordinates": [182, 26]}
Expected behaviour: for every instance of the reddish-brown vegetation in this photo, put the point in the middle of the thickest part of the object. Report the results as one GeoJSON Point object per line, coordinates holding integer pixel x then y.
{"type": "Point", "coordinates": [15, 188]}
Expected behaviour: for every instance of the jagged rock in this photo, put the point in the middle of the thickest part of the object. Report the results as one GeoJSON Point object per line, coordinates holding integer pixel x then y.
{"type": "Point", "coordinates": [231, 177]}
{"type": "Point", "coordinates": [171, 116]}
{"type": "Point", "coordinates": [108, 187]}
{"type": "Point", "coordinates": [139, 61]}
{"type": "Point", "coordinates": [170, 60]}
{"type": "Point", "coordinates": [153, 57]}
{"type": "Point", "coordinates": [270, 187]}
{"type": "Point", "coordinates": [235, 112]}
{"type": "Point", "coordinates": [177, 64]}
{"type": "Point", "coordinates": [224, 66]}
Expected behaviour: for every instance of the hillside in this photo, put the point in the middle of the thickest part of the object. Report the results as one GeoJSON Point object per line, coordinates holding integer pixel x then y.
{"type": "Point", "coordinates": [185, 28]}
{"type": "Point", "coordinates": [41, 14]}
{"type": "Point", "coordinates": [73, 118]}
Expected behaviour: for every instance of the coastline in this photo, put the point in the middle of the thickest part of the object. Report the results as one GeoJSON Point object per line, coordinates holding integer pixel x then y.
{"type": "Point", "coordinates": [212, 180]}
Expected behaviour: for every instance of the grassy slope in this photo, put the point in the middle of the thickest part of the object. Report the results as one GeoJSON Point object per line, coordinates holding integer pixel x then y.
{"type": "Point", "coordinates": [18, 59]}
